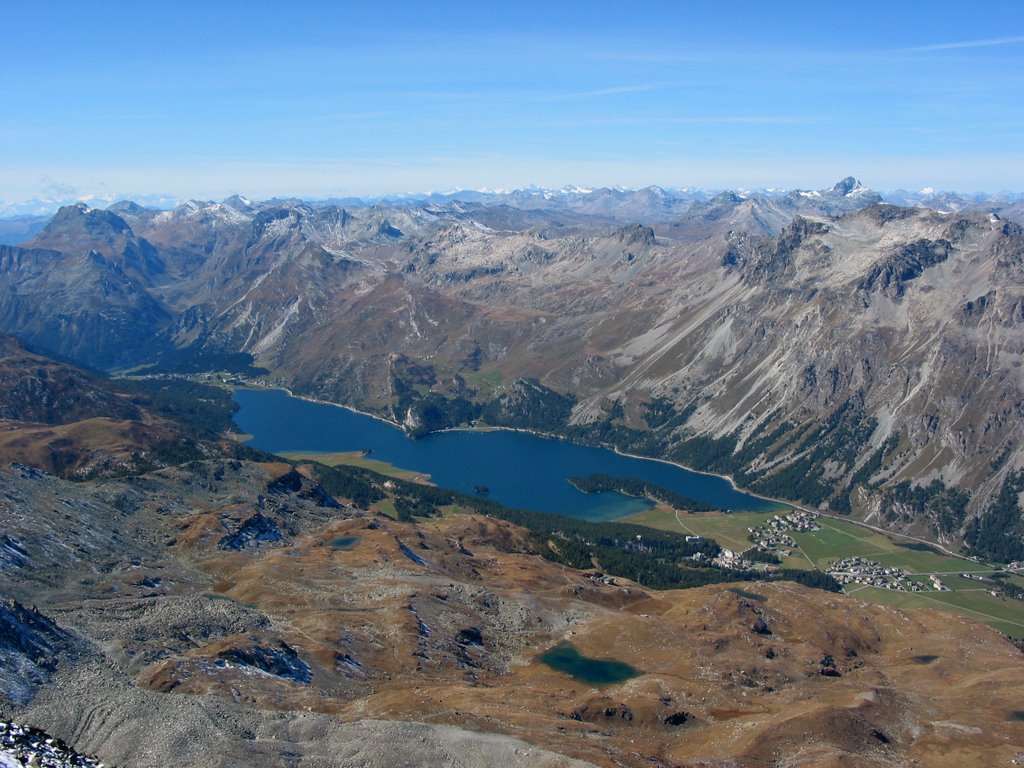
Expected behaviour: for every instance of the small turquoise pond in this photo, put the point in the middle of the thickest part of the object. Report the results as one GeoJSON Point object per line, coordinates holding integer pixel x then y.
{"type": "Point", "coordinates": [344, 542]}
{"type": "Point", "coordinates": [565, 658]}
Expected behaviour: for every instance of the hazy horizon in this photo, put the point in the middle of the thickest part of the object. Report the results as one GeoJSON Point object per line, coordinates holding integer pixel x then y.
{"type": "Point", "coordinates": [47, 206]}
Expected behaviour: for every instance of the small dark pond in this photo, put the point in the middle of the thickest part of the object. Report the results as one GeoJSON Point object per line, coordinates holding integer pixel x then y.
{"type": "Point", "coordinates": [565, 658]}
{"type": "Point", "coordinates": [924, 659]}
{"type": "Point", "coordinates": [344, 542]}
{"type": "Point", "coordinates": [918, 547]}
{"type": "Point", "coordinates": [749, 595]}
{"type": "Point", "coordinates": [1015, 716]}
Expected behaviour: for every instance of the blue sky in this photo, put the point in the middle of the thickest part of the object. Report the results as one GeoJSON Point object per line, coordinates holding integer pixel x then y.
{"type": "Point", "coordinates": [208, 99]}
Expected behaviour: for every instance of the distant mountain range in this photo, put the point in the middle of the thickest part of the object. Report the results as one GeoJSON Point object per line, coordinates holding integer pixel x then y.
{"type": "Point", "coordinates": [47, 206]}
{"type": "Point", "coordinates": [647, 203]}
{"type": "Point", "coordinates": [821, 346]}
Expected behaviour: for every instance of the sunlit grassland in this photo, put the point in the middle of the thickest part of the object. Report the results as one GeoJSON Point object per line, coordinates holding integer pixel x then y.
{"type": "Point", "coordinates": [729, 530]}
{"type": "Point", "coordinates": [357, 459]}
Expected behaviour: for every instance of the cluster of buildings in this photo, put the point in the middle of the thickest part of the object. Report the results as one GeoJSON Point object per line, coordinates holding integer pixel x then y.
{"type": "Point", "coordinates": [860, 570]}
{"type": "Point", "coordinates": [773, 536]}
{"type": "Point", "coordinates": [995, 588]}
{"type": "Point", "coordinates": [730, 559]}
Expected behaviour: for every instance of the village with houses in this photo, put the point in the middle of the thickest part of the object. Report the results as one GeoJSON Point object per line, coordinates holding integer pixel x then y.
{"type": "Point", "coordinates": [860, 570]}
{"type": "Point", "coordinates": [771, 541]}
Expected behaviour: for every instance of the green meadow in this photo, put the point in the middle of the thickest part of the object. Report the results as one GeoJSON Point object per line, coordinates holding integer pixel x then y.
{"type": "Point", "coordinates": [357, 459]}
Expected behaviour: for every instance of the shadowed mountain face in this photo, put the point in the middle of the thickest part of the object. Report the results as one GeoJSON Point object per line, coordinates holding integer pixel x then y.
{"type": "Point", "coordinates": [37, 389]}
{"type": "Point", "coordinates": [81, 288]}
{"type": "Point", "coordinates": [819, 345]}
{"type": "Point", "coordinates": [61, 419]}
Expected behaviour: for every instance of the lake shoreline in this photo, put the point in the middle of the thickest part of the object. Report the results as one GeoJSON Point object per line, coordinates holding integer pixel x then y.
{"type": "Point", "coordinates": [547, 436]}
{"type": "Point", "coordinates": [781, 504]}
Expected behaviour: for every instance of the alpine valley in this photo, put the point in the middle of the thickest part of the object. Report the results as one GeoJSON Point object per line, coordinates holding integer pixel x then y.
{"type": "Point", "coordinates": [172, 591]}
{"type": "Point", "coordinates": [822, 347]}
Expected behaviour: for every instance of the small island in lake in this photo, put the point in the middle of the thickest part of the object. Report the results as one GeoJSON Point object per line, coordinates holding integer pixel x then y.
{"type": "Point", "coordinates": [634, 486]}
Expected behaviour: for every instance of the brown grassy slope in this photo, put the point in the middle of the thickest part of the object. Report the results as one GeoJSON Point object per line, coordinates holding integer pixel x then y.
{"type": "Point", "coordinates": [381, 634]}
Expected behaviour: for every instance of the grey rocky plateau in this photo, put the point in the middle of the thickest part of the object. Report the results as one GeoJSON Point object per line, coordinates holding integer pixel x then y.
{"type": "Point", "coordinates": [821, 346]}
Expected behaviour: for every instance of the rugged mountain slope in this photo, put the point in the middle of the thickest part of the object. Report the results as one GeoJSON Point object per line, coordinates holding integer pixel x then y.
{"type": "Point", "coordinates": [818, 345]}
{"type": "Point", "coordinates": [844, 354]}
{"type": "Point", "coordinates": [884, 331]}
{"type": "Point", "coordinates": [80, 288]}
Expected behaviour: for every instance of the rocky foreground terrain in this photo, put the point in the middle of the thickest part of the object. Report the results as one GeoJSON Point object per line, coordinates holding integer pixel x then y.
{"type": "Point", "coordinates": [819, 346]}
{"type": "Point", "coordinates": [232, 613]}
{"type": "Point", "coordinates": [20, 746]}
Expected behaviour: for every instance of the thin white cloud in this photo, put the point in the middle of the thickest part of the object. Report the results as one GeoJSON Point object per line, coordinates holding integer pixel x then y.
{"type": "Point", "coordinates": [613, 91]}
{"type": "Point", "coordinates": [986, 43]}
{"type": "Point", "coordinates": [689, 120]}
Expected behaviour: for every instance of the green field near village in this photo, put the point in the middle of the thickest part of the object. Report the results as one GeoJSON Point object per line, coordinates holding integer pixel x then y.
{"type": "Point", "coordinates": [839, 538]}
{"type": "Point", "coordinates": [728, 530]}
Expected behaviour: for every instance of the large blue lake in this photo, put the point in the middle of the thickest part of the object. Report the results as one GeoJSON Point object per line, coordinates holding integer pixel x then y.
{"type": "Point", "coordinates": [519, 469]}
